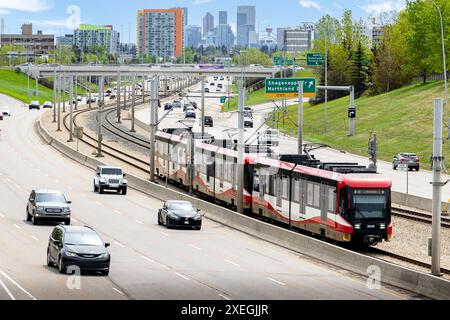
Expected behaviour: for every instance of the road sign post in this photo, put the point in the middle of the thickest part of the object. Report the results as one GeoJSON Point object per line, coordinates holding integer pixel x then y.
{"type": "Point", "coordinates": [288, 88]}
{"type": "Point", "coordinates": [300, 118]}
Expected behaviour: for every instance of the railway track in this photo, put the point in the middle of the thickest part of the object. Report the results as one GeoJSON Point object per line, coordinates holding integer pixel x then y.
{"type": "Point", "coordinates": [142, 165]}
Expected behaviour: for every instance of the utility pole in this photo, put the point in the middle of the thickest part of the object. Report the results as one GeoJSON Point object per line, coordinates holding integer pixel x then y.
{"type": "Point", "coordinates": [71, 109]}
{"type": "Point", "coordinates": [326, 80]}
{"type": "Point", "coordinates": [241, 152]}
{"type": "Point", "coordinates": [100, 109]}
{"type": "Point", "coordinates": [437, 189]}
{"type": "Point", "coordinates": [203, 106]}
{"type": "Point", "coordinates": [133, 104]}
{"type": "Point", "coordinates": [118, 98]}
{"type": "Point", "coordinates": [153, 122]}
{"type": "Point", "coordinates": [300, 118]}
{"type": "Point", "coordinates": [55, 81]}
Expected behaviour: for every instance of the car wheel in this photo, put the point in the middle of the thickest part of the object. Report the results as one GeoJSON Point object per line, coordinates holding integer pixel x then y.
{"type": "Point", "coordinates": [49, 260]}
{"type": "Point", "coordinates": [101, 190]}
{"type": "Point", "coordinates": [35, 221]}
{"type": "Point", "coordinates": [418, 169]}
{"type": "Point", "coordinates": [67, 222]}
{"type": "Point", "coordinates": [95, 188]}
{"type": "Point", "coordinates": [159, 219]}
{"type": "Point", "coordinates": [124, 191]}
{"type": "Point", "coordinates": [394, 167]}
{"type": "Point", "coordinates": [28, 215]}
{"type": "Point", "coordinates": [105, 273]}
{"type": "Point", "coordinates": [61, 266]}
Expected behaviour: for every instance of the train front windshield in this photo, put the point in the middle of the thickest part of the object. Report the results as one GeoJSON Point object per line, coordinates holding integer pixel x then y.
{"type": "Point", "coordinates": [370, 204]}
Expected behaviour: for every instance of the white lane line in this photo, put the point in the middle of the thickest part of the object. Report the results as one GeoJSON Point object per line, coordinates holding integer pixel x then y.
{"type": "Point", "coordinates": [98, 203]}
{"type": "Point", "coordinates": [35, 239]}
{"type": "Point", "coordinates": [74, 220]}
{"type": "Point", "coordinates": [16, 185]}
{"type": "Point", "coordinates": [83, 195]}
{"type": "Point", "coordinates": [119, 244]}
{"type": "Point", "coordinates": [139, 222]}
{"type": "Point", "coordinates": [276, 281]}
{"type": "Point", "coordinates": [148, 259]}
{"type": "Point", "coordinates": [7, 290]}
{"type": "Point", "coordinates": [17, 285]}
{"type": "Point", "coordinates": [182, 276]}
{"type": "Point", "coordinates": [225, 297]}
{"type": "Point", "coordinates": [118, 291]}
{"type": "Point", "coordinates": [16, 226]}
{"type": "Point", "coordinates": [195, 247]}
{"type": "Point", "coordinates": [117, 212]}
{"type": "Point", "coordinates": [231, 262]}
{"type": "Point", "coordinates": [165, 234]}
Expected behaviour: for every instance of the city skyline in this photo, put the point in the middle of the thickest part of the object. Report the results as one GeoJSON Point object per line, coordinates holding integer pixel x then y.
{"type": "Point", "coordinates": [55, 17]}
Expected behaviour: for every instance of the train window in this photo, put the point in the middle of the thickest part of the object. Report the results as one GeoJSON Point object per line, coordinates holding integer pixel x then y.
{"type": "Point", "coordinates": [317, 195]}
{"type": "Point", "coordinates": [310, 200]}
{"type": "Point", "coordinates": [285, 188]}
{"type": "Point", "coordinates": [271, 186]}
{"type": "Point", "coordinates": [262, 186]}
{"type": "Point", "coordinates": [279, 191]}
{"type": "Point", "coordinates": [256, 182]}
{"type": "Point", "coordinates": [296, 191]}
{"type": "Point", "coordinates": [331, 200]}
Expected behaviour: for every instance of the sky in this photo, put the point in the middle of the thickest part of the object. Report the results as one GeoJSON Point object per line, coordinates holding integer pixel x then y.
{"type": "Point", "coordinates": [61, 16]}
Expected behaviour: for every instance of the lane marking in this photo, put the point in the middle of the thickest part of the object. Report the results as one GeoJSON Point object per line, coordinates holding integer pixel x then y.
{"type": "Point", "coordinates": [7, 290]}
{"type": "Point", "coordinates": [2, 215]}
{"type": "Point", "coordinates": [117, 211]}
{"type": "Point", "coordinates": [182, 276]}
{"type": "Point", "coordinates": [74, 220]}
{"type": "Point", "coordinates": [16, 226]}
{"type": "Point", "coordinates": [16, 185]}
{"type": "Point", "coordinates": [119, 244]}
{"type": "Point", "coordinates": [118, 291]}
{"type": "Point", "coordinates": [148, 259]}
{"type": "Point", "coordinates": [165, 234]}
{"type": "Point", "coordinates": [17, 285]}
{"type": "Point", "coordinates": [195, 247]}
{"type": "Point", "coordinates": [225, 297]}
{"type": "Point", "coordinates": [139, 222]}
{"type": "Point", "coordinates": [276, 281]}
{"type": "Point", "coordinates": [98, 203]}
{"type": "Point", "coordinates": [34, 238]}
{"type": "Point", "coordinates": [231, 262]}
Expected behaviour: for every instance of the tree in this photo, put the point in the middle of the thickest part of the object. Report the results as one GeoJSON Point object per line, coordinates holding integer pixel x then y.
{"type": "Point", "coordinates": [360, 67]}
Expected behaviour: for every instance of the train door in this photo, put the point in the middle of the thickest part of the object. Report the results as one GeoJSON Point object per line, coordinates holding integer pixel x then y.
{"type": "Point", "coordinates": [279, 191]}
{"type": "Point", "coordinates": [324, 206]}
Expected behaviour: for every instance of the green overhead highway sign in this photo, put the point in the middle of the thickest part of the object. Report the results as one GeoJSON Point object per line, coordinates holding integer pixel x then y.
{"type": "Point", "coordinates": [314, 59]}
{"type": "Point", "coordinates": [288, 88]}
{"type": "Point", "coordinates": [279, 61]}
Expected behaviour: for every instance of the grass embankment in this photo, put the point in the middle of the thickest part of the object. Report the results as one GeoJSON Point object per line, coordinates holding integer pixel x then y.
{"type": "Point", "coordinates": [258, 97]}
{"type": "Point", "coordinates": [15, 85]}
{"type": "Point", "coordinates": [402, 120]}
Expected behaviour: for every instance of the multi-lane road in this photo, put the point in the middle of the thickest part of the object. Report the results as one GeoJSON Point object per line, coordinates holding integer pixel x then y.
{"type": "Point", "coordinates": [148, 261]}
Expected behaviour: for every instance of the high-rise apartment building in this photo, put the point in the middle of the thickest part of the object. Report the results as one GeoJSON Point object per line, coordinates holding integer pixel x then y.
{"type": "Point", "coordinates": [88, 35]}
{"type": "Point", "coordinates": [208, 23]}
{"type": "Point", "coordinates": [246, 25]}
{"type": "Point", "coordinates": [160, 32]}
{"type": "Point", "coordinates": [193, 36]}
{"type": "Point", "coordinates": [223, 17]}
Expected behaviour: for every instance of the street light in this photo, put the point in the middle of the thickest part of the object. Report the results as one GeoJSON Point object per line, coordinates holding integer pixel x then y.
{"type": "Point", "coordinates": [445, 67]}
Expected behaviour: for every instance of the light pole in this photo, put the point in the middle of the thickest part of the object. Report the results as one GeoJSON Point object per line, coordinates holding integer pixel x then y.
{"type": "Point", "coordinates": [445, 68]}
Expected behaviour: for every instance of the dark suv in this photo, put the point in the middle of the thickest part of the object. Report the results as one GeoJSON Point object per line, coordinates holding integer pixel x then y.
{"type": "Point", "coordinates": [78, 247]}
{"type": "Point", "coordinates": [410, 159]}
{"type": "Point", "coordinates": [209, 122]}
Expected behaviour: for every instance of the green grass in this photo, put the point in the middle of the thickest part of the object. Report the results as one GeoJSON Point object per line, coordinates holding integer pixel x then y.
{"type": "Point", "coordinates": [258, 96]}
{"type": "Point", "coordinates": [402, 120]}
{"type": "Point", "coordinates": [15, 85]}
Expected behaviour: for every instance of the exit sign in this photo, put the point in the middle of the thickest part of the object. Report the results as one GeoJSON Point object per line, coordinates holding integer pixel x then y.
{"type": "Point", "coordinates": [288, 88]}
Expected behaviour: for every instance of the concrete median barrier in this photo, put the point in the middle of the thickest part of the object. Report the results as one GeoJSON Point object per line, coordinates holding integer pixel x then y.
{"type": "Point", "coordinates": [411, 280]}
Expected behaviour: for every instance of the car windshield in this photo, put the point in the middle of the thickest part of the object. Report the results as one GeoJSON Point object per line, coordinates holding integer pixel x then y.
{"type": "Point", "coordinates": [50, 197]}
{"type": "Point", "coordinates": [185, 206]}
{"type": "Point", "coordinates": [112, 172]}
{"type": "Point", "coordinates": [370, 204]}
{"type": "Point", "coordinates": [83, 239]}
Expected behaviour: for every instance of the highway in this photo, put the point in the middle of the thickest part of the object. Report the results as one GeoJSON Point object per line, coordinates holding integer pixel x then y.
{"type": "Point", "coordinates": [419, 182]}
{"type": "Point", "coordinates": [148, 261]}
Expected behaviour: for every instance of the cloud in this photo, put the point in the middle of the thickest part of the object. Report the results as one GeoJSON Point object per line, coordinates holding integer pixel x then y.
{"type": "Point", "coordinates": [24, 5]}
{"type": "Point", "coordinates": [309, 4]}
{"type": "Point", "coordinates": [50, 23]}
{"type": "Point", "coordinates": [196, 2]}
{"type": "Point", "coordinates": [380, 6]}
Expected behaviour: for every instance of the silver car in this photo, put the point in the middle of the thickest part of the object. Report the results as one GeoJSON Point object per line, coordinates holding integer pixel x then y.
{"type": "Point", "coordinates": [48, 205]}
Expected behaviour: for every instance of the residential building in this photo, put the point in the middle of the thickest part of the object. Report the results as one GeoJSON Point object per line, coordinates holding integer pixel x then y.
{"type": "Point", "coordinates": [185, 23]}
{"type": "Point", "coordinates": [35, 44]}
{"type": "Point", "coordinates": [296, 39]}
{"type": "Point", "coordinates": [246, 24]}
{"type": "Point", "coordinates": [67, 40]}
{"type": "Point", "coordinates": [88, 35]}
{"type": "Point", "coordinates": [193, 36]}
{"type": "Point", "coordinates": [208, 24]}
{"type": "Point", "coordinates": [374, 31]}
{"type": "Point", "coordinates": [160, 32]}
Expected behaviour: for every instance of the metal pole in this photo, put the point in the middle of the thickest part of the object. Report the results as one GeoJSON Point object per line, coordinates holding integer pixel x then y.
{"type": "Point", "coordinates": [71, 110]}
{"type": "Point", "coordinates": [76, 92]}
{"type": "Point", "coordinates": [64, 94]}
{"type": "Point", "coordinates": [326, 81]}
{"type": "Point", "coordinates": [100, 109]}
{"type": "Point", "coordinates": [54, 95]}
{"type": "Point", "coordinates": [90, 83]}
{"type": "Point", "coordinates": [37, 82]}
{"type": "Point", "coordinates": [437, 189]}
{"type": "Point", "coordinates": [119, 77]}
{"type": "Point", "coordinates": [133, 104]}
{"type": "Point", "coordinates": [352, 107]}
{"type": "Point", "coordinates": [59, 102]}
{"type": "Point", "coordinates": [203, 106]}
{"type": "Point", "coordinates": [153, 120]}
{"type": "Point", "coordinates": [156, 79]}
{"type": "Point", "coordinates": [300, 118]}
{"type": "Point", "coordinates": [241, 150]}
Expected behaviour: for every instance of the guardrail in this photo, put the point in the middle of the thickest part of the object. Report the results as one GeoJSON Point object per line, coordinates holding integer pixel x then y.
{"type": "Point", "coordinates": [411, 280]}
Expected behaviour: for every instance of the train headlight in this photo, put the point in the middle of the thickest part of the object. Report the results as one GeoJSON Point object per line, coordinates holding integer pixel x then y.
{"type": "Point", "coordinates": [358, 226]}
{"type": "Point", "coordinates": [382, 227]}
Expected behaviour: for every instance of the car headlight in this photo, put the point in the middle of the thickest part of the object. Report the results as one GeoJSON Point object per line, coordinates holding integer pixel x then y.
{"type": "Point", "coordinates": [172, 216]}
{"type": "Point", "coordinates": [198, 217]}
{"type": "Point", "coordinates": [124, 181]}
{"type": "Point", "coordinates": [40, 208]}
{"type": "Point", "coordinates": [70, 254]}
{"type": "Point", "coordinates": [104, 255]}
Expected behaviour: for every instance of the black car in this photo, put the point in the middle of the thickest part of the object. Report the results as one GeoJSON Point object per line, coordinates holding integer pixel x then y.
{"type": "Point", "coordinates": [209, 122]}
{"type": "Point", "coordinates": [34, 105]}
{"type": "Point", "coordinates": [78, 247]}
{"type": "Point", "coordinates": [168, 106]}
{"type": "Point", "coordinates": [180, 214]}
{"type": "Point", "coordinates": [206, 90]}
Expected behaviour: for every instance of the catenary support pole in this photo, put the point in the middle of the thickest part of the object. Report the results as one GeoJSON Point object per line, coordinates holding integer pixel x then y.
{"type": "Point", "coordinates": [71, 109]}
{"type": "Point", "coordinates": [133, 103]}
{"type": "Point", "coordinates": [59, 101]}
{"type": "Point", "coordinates": [119, 84]}
{"type": "Point", "coordinates": [153, 120]}
{"type": "Point", "coordinates": [55, 84]}
{"type": "Point", "coordinates": [101, 101]}
{"type": "Point", "coordinates": [203, 106]}
{"type": "Point", "coordinates": [241, 153]}
{"type": "Point", "coordinates": [437, 188]}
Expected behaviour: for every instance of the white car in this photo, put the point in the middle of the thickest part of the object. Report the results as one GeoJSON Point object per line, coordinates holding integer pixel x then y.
{"type": "Point", "coordinates": [47, 104]}
{"type": "Point", "coordinates": [5, 111]}
{"type": "Point", "coordinates": [110, 178]}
